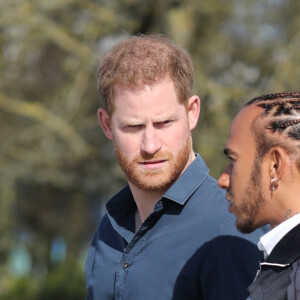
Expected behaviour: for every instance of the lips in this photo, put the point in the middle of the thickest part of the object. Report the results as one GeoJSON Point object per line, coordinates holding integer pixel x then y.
{"type": "Point", "coordinates": [149, 162]}
{"type": "Point", "coordinates": [153, 164]}
{"type": "Point", "coordinates": [228, 197]}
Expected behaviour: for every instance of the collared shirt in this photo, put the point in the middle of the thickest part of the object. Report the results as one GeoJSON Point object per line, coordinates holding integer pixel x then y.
{"type": "Point", "coordinates": [188, 247]}
{"type": "Point", "coordinates": [270, 239]}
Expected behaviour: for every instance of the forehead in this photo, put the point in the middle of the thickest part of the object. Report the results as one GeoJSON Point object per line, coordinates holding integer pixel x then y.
{"type": "Point", "coordinates": [241, 135]}
{"type": "Point", "coordinates": [158, 97]}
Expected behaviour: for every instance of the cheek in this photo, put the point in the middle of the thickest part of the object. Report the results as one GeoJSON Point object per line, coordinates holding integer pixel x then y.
{"type": "Point", "coordinates": [127, 144]}
{"type": "Point", "coordinates": [176, 137]}
{"type": "Point", "coordinates": [238, 180]}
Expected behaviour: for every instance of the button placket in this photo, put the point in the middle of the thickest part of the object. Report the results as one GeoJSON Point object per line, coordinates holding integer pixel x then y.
{"type": "Point", "coordinates": [133, 249]}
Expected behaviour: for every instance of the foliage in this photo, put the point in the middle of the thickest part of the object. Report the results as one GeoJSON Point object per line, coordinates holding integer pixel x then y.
{"type": "Point", "coordinates": [56, 167]}
{"type": "Point", "coordinates": [20, 288]}
{"type": "Point", "coordinates": [63, 283]}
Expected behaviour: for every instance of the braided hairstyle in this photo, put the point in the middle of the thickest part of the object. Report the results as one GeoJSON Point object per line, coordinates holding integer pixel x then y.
{"type": "Point", "coordinates": [278, 124]}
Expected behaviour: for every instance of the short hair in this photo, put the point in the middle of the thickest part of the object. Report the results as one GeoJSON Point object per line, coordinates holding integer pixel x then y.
{"type": "Point", "coordinates": [141, 60]}
{"type": "Point", "coordinates": [278, 124]}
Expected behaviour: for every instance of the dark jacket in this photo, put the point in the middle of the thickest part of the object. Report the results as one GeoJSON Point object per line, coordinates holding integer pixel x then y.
{"type": "Point", "coordinates": [279, 276]}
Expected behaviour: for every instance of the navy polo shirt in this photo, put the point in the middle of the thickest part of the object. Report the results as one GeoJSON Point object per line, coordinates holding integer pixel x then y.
{"type": "Point", "coordinates": [188, 247]}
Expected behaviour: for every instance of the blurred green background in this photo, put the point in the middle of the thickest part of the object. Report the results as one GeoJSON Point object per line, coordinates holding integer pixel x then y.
{"type": "Point", "coordinates": [56, 167]}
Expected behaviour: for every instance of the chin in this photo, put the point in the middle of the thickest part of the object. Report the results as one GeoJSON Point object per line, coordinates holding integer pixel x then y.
{"type": "Point", "coordinates": [245, 226]}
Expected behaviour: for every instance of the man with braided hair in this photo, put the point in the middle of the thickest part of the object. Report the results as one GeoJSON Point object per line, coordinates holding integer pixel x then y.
{"type": "Point", "coordinates": [168, 233]}
{"type": "Point", "coordinates": [262, 181]}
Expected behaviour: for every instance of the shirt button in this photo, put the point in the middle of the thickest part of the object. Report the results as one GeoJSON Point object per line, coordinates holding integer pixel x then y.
{"type": "Point", "coordinates": [125, 265]}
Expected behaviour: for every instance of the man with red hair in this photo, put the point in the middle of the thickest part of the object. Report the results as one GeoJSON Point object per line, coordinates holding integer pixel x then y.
{"type": "Point", "coordinates": [168, 234]}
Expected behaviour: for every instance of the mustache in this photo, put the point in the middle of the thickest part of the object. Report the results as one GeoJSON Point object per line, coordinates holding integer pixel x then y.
{"type": "Point", "coordinates": [159, 156]}
{"type": "Point", "coordinates": [229, 197]}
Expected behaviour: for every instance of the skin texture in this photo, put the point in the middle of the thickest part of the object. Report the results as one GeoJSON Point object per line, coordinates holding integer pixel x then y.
{"type": "Point", "coordinates": [150, 130]}
{"type": "Point", "coordinates": [243, 175]}
{"type": "Point", "coordinates": [247, 178]}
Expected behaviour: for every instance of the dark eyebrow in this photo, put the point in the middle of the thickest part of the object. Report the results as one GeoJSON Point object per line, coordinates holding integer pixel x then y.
{"type": "Point", "coordinates": [229, 152]}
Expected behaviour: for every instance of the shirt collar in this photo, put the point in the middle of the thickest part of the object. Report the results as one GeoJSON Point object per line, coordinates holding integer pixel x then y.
{"type": "Point", "coordinates": [188, 182]}
{"type": "Point", "coordinates": [121, 207]}
{"type": "Point", "coordinates": [269, 240]}
{"type": "Point", "coordinates": [191, 179]}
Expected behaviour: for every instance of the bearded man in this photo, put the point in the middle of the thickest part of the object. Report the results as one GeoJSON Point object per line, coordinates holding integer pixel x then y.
{"type": "Point", "coordinates": [168, 234]}
{"type": "Point", "coordinates": [263, 186]}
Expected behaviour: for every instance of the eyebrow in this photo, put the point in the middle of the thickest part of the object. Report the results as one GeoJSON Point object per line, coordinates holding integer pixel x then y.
{"type": "Point", "coordinates": [135, 121]}
{"type": "Point", "coordinates": [125, 123]}
{"type": "Point", "coordinates": [229, 152]}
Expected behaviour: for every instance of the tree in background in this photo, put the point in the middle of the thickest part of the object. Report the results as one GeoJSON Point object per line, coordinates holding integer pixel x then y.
{"type": "Point", "coordinates": [56, 168]}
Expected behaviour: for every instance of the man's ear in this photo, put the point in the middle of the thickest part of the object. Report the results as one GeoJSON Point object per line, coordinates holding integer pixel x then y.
{"type": "Point", "coordinates": [279, 159]}
{"type": "Point", "coordinates": [104, 120]}
{"type": "Point", "coordinates": [194, 111]}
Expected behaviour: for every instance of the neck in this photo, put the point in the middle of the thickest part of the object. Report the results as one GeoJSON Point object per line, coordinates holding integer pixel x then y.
{"type": "Point", "coordinates": [145, 200]}
{"type": "Point", "coordinates": [284, 205]}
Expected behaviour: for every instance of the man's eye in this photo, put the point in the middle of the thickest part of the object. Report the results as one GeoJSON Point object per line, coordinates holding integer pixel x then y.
{"type": "Point", "coordinates": [163, 123]}
{"type": "Point", "coordinates": [231, 158]}
{"type": "Point", "coordinates": [136, 126]}
{"type": "Point", "coordinates": [132, 128]}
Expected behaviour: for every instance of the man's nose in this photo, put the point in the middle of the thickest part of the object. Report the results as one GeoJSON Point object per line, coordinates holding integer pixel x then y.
{"type": "Point", "coordinates": [151, 141]}
{"type": "Point", "coordinates": [224, 180]}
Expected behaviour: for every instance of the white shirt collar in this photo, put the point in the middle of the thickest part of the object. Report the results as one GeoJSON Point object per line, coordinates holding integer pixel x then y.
{"type": "Point", "coordinates": [269, 240]}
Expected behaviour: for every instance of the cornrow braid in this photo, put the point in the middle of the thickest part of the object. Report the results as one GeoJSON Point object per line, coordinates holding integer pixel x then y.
{"type": "Point", "coordinates": [281, 114]}
{"type": "Point", "coordinates": [283, 109]}
{"type": "Point", "coordinates": [282, 124]}
{"type": "Point", "coordinates": [282, 106]}
{"type": "Point", "coordinates": [289, 123]}
{"type": "Point", "coordinates": [274, 96]}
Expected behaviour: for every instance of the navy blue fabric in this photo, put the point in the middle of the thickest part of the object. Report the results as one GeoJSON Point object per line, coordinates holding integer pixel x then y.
{"type": "Point", "coordinates": [188, 248]}
{"type": "Point", "coordinates": [279, 276]}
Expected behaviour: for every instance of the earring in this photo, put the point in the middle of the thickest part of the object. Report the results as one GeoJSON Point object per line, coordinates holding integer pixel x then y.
{"type": "Point", "coordinates": [274, 184]}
